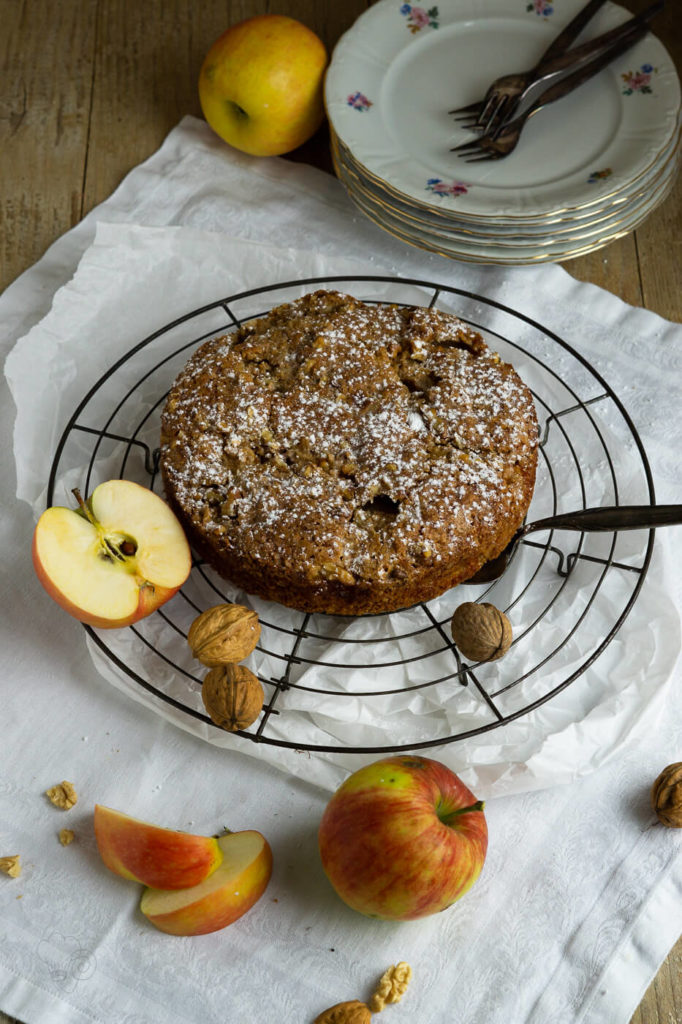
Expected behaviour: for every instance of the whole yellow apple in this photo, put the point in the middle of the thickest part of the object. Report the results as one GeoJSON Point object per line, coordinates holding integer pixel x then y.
{"type": "Point", "coordinates": [260, 86]}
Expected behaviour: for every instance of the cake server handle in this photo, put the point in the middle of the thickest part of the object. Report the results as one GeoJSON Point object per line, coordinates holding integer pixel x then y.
{"type": "Point", "coordinates": [587, 520]}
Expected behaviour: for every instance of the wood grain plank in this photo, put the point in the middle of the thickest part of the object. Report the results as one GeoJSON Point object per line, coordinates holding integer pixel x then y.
{"type": "Point", "coordinates": [44, 112]}
{"type": "Point", "coordinates": [614, 268]}
{"type": "Point", "coordinates": [662, 231]}
{"type": "Point", "coordinates": [143, 84]}
{"type": "Point", "coordinates": [662, 1003]}
{"type": "Point", "coordinates": [146, 80]}
{"type": "Point", "coordinates": [634, 267]}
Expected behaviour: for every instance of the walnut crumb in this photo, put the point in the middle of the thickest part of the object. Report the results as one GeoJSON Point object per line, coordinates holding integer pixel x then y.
{"type": "Point", "coordinates": [11, 866]}
{"type": "Point", "coordinates": [63, 796]}
{"type": "Point", "coordinates": [66, 836]}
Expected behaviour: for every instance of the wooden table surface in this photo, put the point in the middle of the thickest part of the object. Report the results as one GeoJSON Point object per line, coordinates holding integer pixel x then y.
{"type": "Point", "coordinates": [89, 88]}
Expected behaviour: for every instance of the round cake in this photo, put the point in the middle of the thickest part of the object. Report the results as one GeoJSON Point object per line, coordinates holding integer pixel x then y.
{"type": "Point", "coordinates": [344, 457]}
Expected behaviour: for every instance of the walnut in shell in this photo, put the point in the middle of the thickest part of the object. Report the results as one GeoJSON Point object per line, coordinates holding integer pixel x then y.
{"type": "Point", "coordinates": [666, 796]}
{"type": "Point", "coordinates": [352, 1012]}
{"type": "Point", "coordinates": [481, 631]}
{"type": "Point", "coordinates": [224, 634]}
{"type": "Point", "coordinates": [232, 696]}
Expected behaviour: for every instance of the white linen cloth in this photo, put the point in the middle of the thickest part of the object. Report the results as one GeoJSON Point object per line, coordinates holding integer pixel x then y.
{"type": "Point", "coordinates": [579, 900]}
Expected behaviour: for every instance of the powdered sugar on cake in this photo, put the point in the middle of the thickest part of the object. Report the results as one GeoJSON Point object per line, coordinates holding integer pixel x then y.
{"type": "Point", "coordinates": [339, 442]}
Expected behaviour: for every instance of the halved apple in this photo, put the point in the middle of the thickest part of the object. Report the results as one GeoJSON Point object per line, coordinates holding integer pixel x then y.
{"type": "Point", "coordinates": [219, 900]}
{"type": "Point", "coordinates": [113, 560]}
{"type": "Point", "coordinates": [152, 855]}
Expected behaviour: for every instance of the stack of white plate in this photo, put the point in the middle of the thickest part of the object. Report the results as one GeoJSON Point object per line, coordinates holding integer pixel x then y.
{"type": "Point", "coordinates": [588, 169]}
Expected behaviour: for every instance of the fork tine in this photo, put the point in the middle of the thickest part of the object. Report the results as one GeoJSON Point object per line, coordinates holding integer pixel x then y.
{"type": "Point", "coordinates": [472, 108]}
{"type": "Point", "coordinates": [485, 113]}
{"type": "Point", "coordinates": [496, 117]}
{"type": "Point", "coordinates": [467, 120]}
{"type": "Point", "coordinates": [484, 159]}
{"type": "Point", "coordinates": [467, 147]}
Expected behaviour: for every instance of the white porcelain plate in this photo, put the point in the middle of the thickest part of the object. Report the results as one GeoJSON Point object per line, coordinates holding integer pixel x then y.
{"type": "Point", "coordinates": [601, 220]}
{"type": "Point", "coordinates": [478, 250]}
{"type": "Point", "coordinates": [401, 67]}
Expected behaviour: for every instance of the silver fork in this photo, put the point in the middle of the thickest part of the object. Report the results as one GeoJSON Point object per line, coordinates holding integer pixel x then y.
{"type": "Point", "coordinates": [502, 141]}
{"type": "Point", "coordinates": [506, 93]}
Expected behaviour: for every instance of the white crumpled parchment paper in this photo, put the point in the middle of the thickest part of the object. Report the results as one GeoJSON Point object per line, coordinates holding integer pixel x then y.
{"type": "Point", "coordinates": [126, 288]}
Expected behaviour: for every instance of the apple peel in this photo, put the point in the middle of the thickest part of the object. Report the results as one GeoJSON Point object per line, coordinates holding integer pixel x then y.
{"type": "Point", "coordinates": [115, 559]}
{"type": "Point", "coordinates": [221, 898]}
{"type": "Point", "coordinates": [152, 855]}
{"type": "Point", "coordinates": [261, 84]}
{"type": "Point", "coordinates": [402, 838]}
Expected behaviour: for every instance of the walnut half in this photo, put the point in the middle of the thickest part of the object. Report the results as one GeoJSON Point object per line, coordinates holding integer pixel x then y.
{"type": "Point", "coordinates": [391, 987]}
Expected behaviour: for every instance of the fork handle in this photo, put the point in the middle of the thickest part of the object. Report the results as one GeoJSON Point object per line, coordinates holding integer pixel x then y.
{"type": "Point", "coordinates": [608, 518]}
{"type": "Point", "coordinates": [570, 33]}
{"type": "Point", "coordinates": [570, 82]}
{"type": "Point", "coordinates": [558, 58]}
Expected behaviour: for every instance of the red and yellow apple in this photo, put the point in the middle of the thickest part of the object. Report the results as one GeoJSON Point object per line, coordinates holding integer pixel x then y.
{"type": "Point", "coordinates": [403, 838]}
{"type": "Point", "coordinates": [152, 855]}
{"type": "Point", "coordinates": [260, 85]}
{"type": "Point", "coordinates": [221, 898]}
{"type": "Point", "coordinates": [114, 559]}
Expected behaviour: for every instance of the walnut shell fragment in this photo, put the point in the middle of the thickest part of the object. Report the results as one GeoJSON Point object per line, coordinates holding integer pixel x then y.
{"type": "Point", "coordinates": [352, 1012]}
{"type": "Point", "coordinates": [481, 631]}
{"type": "Point", "coordinates": [232, 696]}
{"type": "Point", "coordinates": [666, 796]}
{"type": "Point", "coordinates": [224, 634]}
{"type": "Point", "coordinates": [63, 796]}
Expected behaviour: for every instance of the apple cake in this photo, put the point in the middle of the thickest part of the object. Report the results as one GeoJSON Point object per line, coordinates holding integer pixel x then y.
{"type": "Point", "coordinates": [345, 457]}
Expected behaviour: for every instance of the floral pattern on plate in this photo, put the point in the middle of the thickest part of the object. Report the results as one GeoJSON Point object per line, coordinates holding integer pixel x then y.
{"type": "Point", "coordinates": [639, 81]}
{"type": "Point", "coordinates": [358, 101]}
{"type": "Point", "coordinates": [419, 18]}
{"type": "Point", "coordinates": [541, 7]}
{"type": "Point", "coordinates": [441, 188]}
{"type": "Point", "coordinates": [599, 175]}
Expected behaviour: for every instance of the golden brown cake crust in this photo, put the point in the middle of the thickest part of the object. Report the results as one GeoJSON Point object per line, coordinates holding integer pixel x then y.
{"type": "Point", "coordinates": [342, 457]}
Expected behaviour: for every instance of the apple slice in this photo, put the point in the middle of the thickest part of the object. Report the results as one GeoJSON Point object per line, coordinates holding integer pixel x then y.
{"type": "Point", "coordinates": [154, 856]}
{"type": "Point", "coordinates": [219, 900]}
{"type": "Point", "coordinates": [113, 560]}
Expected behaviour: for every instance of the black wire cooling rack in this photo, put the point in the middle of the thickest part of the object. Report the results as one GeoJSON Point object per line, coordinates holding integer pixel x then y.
{"type": "Point", "coordinates": [385, 683]}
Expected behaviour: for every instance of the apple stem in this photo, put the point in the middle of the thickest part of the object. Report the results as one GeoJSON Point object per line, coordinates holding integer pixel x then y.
{"type": "Point", "coordinates": [478, 806]}
{"type": "Point", "coordinates": [84, 506]}
{"type": "Point", "coordinates": [447, 818]}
